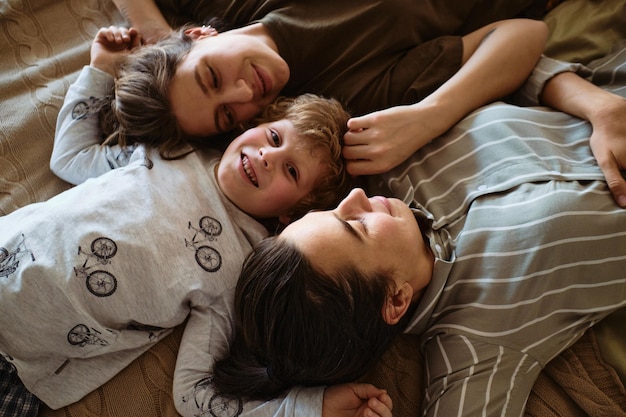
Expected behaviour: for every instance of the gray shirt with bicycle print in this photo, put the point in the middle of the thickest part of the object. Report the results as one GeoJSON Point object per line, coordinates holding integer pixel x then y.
{"type": "Point", "coordinates": [93, 277]}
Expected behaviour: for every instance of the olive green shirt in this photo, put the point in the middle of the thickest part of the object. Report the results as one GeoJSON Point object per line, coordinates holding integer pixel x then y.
{"type": "Point", "coordinates": [369, 54]}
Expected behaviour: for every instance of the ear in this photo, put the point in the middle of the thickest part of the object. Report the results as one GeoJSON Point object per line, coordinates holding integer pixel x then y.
{"type": "Point", "coordinates": [397, 304]}
{"type": "Point", "coordinates": [200, 32]}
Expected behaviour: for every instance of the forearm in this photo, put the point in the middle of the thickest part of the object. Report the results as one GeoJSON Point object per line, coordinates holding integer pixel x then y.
{"type": "Point", "coordinates": [497, 60]}
{"type": "Point", "coordinates": [146, 17]}
{"type": "Point", "coordinates": [572, 94]}
{"type": "Point", "coordinates": [77, 154]}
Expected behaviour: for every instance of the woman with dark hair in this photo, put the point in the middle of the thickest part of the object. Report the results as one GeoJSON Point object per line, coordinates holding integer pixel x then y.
{"type": "Point", "coordinates": [511, 248]}
{"type": "Point", "coordinates": [291, 303]}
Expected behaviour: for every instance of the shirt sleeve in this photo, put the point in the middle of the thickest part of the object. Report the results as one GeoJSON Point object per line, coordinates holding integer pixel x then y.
{"type": "Point", "coordinates": [547, 68]}
{"type": "Point", "coordinates": [78, 154]}
{"type": "Point", "coordinates": [205, 339]}
{"type": "Point", "coordinates": [474, 378]}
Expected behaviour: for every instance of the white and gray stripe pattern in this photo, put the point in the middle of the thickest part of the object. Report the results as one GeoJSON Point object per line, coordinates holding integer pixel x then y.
{"type": "Point", "coordinates": [534, 250]}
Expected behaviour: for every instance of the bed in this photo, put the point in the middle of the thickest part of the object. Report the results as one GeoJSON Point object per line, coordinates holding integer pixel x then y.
{"type": "Point", "coordinates": [45, 43]}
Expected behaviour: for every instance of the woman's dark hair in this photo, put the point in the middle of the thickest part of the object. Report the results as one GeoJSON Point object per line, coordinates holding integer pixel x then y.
{"type": "Point", "coordinates": [297, 326]}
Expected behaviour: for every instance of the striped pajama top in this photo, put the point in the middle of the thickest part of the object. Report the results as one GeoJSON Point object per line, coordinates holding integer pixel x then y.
{"type": "Point", "coordinates": [530, 248]}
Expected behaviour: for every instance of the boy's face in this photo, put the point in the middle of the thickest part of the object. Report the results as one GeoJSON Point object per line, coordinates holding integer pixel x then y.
{"type": "Point", "coordinates": [268, 169]}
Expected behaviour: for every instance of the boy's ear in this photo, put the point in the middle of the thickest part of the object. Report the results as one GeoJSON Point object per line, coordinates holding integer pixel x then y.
{"type": "Point", "coordinates": [199, 32]}
{"type": "Point", "coordinates": [397, 304]}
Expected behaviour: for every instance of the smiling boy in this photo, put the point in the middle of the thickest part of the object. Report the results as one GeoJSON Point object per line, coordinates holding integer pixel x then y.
{"type": "Point", "coordinates": [98, 274]}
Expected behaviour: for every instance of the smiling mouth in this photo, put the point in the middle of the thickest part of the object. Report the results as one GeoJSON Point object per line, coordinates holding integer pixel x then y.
{"type": "Point", "coordinates": [247, 167]}
{"type": "Point", "coordinates": [384, 202]}
{"type": "Point", "coordinates": [262, 80]}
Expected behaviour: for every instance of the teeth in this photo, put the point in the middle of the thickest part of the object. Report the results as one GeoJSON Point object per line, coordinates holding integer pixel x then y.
{"type": "Point", "coordinates": [248, 170]}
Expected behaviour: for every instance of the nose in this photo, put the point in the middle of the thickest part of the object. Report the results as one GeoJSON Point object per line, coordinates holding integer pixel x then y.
{"type": "Point", "coordinates": [239, 92]}
{"type": "Point", "coordinates": [355, 202]}
{"type": "Point", "coordinates": [269, 157]}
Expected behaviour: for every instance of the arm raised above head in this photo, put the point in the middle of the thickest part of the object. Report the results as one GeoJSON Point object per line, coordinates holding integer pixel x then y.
{"type": "Point", "coordinates": [111, 45]}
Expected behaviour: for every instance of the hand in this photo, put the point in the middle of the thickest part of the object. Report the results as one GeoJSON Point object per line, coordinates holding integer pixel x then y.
{"type": "Point", "coordinates": [608, 144]}
{"type": "Point", "coordinates": [146, 16]}
{"type": "Point", "coordinates": [380, 141]}
{"type": "Point", "coordinates": [110, 45]}
{"type": "Point", "coordinates": [356, 400]}
{"type": "Point", "coordinates": [606, 112]}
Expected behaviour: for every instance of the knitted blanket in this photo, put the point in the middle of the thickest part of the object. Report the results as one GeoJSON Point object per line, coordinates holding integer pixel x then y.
{"type": "Point", "coordinates": [578, 383]}
{"type": "Point", "coordinates": [43, 46]}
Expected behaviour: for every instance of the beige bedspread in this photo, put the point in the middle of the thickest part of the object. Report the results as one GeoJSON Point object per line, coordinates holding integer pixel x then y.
{"type": "Point", "coordinates": [44, 44]}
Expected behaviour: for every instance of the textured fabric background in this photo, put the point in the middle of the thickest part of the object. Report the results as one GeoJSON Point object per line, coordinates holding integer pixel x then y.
{"type": "Point", "coordinates": [43, 46]}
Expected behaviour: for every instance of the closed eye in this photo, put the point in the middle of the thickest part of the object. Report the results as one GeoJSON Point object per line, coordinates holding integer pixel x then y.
{"type": "Point", "coordinates": [349, 228]}
{"type": "Point", "coordinates": [359, 225]}
{"type": "Point", "coordinates": [216, 83]}
{"type": "Point", "coordinates": [227, 119]}
{"type": "Point", "coordinates": [196, 75]}
{"type": "Point", "coordinates": [361, 220]}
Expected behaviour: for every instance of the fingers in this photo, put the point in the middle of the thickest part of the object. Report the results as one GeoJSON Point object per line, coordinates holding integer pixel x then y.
{"type": "Point", "coordinates": [386, 400]}
{"type": "Point", "coordinates": [615, 181]}
{"type": "Point", "coordinates": [356, 137]}
{"type": "Point", "coordinates": [379, 403]}
{"type": "Point", "coordinates": [357, 124]}
{"type": "Point", "coordinates": [608, 144]}
{"type": "Point", "coordinates": [119, 35]}
{"type": "Point", "coordinates": [378, 142]}
{"type": "Point", "coordinates": [378, 407]}
{"type": "Point", "coordinates": [366, 391]}
{"type": "Point", "coordinates": [365, 153]}
{"type": "Point", "coordinates": [370, 159]}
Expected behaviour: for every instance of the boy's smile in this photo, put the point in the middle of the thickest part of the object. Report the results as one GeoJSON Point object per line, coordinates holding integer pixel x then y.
{"type": "Point", "coordinates": [268, 169]}
{"type": "Point", "coordinates": [249, 170]}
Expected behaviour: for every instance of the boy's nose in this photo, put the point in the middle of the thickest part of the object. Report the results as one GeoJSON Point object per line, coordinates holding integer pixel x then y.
{"type": "Point", "coordinates": [268, 157]}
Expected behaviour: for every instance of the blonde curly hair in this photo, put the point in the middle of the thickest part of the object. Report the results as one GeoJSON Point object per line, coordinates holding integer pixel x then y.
{"type": "Point", "coordinates": [321, 123]}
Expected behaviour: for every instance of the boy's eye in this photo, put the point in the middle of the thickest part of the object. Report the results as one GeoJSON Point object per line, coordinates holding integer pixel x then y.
{"type": "Point", "coordinates": [275, 138]}
{"type": "Point", "coordinates": [293, 172]}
